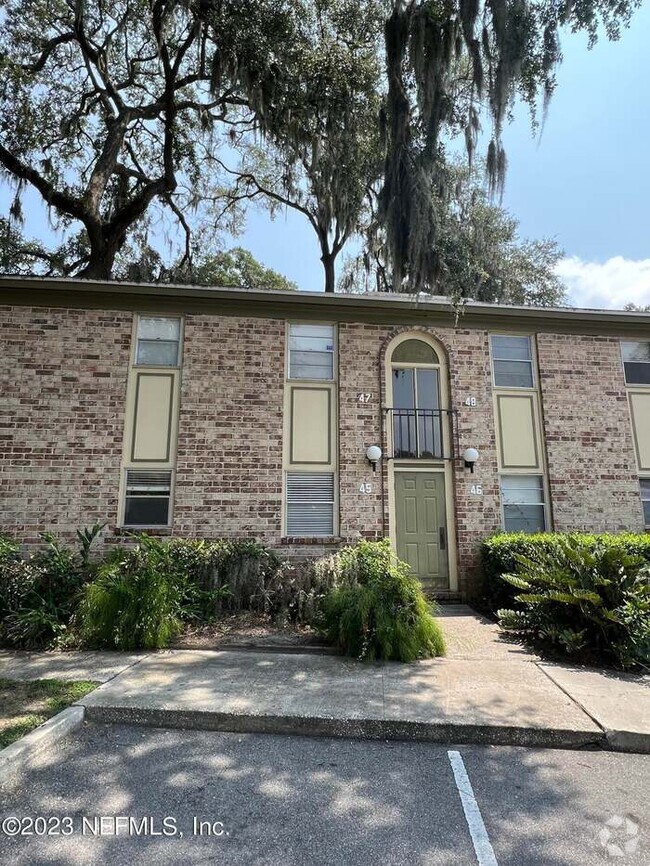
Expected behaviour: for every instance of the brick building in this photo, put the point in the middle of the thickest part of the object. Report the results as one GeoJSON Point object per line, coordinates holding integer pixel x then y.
{"type": "Point", "coordinates": [239, 413]}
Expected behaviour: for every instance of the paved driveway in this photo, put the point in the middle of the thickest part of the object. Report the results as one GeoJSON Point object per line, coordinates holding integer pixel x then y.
{"type": "Point", "coordinates": [292, 800]}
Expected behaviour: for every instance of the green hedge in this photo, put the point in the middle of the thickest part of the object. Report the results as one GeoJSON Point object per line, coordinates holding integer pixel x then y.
{"type": "Point", "coordinates": [499, 556]}
{"type": "Point", "coordinates": [586, 598]}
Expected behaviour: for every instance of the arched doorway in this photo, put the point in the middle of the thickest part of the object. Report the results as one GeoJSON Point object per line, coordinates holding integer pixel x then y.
{"type": "Point", "coordinates": [419, 437]}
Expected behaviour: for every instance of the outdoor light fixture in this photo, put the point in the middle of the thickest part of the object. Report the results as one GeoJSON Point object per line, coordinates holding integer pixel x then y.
{"type": "Point", "coordinates": [373, 453]}
{"type": "Point", "coordinates": [470, 456]}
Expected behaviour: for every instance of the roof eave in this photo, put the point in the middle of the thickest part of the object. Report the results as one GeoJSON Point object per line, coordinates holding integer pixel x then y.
{"type": "Point", "coordinates": [370, 308]}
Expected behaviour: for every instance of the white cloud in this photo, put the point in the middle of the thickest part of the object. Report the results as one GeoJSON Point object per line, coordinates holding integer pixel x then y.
{"type": "Point", "coordinates": [607, 285]}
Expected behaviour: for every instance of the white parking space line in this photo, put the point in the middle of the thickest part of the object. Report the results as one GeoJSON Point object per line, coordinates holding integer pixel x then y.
{"type": "Point", "coordinates": [480, 839]}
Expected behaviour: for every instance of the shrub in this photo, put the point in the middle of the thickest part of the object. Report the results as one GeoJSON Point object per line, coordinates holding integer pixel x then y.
{"type": "Point", "coordinates": [296, 593]}
{"type": "Point", "coordinates": [583, 597]}
{"type": "Point", "coordinates": [246, 575]}
{"type": "Point", "coordinates": [142, 594]}
{"type": "Point", "coordinates": [38, 596]}
{"type": "Point", "coordinates": [236, 575]}
{"type": "Point", "coordinates": [136, 600]}
{"type": "Point", "coordinates": [499, 555]}
{"type": "Point", "coordinates": [377, 609]}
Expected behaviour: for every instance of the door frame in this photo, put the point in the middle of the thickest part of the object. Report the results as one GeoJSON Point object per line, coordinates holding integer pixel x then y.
{"type": "Point", "coordinates": [442, 466]}
{"type": "Point", "coordinates": [449, 510]}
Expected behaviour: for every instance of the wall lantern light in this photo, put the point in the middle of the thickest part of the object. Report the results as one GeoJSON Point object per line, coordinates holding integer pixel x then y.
{"type": "Point", "coordinates": [373, 454]}
{"type": "Point", "coordinates": [470, 456]}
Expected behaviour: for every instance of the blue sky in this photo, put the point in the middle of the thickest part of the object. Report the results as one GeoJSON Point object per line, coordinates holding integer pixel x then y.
{"type": "Point", "coordinates": [585, 183]}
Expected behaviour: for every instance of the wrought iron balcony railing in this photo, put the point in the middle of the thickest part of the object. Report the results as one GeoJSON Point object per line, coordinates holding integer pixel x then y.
{"type": "Point", "coordinates": [418, 433]}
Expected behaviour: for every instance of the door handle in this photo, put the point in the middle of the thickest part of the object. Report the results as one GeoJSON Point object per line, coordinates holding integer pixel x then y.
{"type": "Point", "coordinates": [443, 538]}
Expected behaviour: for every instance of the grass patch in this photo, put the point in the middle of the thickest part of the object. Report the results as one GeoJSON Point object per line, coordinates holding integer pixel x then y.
{"type": "Point", "coordinates": [26, 705]}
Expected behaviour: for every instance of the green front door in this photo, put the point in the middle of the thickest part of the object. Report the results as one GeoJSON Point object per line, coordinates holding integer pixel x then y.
{"type": "Point", "coordinates": [421, 530]}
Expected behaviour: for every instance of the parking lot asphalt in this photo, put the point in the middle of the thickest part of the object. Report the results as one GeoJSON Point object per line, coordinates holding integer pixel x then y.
{"type": "Point", "coordinates": [128, 795]}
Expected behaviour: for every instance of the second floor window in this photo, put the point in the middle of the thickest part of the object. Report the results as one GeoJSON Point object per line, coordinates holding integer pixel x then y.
{"type": "Point", "coordinates": [512, 362]}
{"type": "Point", "coordinates": [417, 417]}
{"type": "Point", "coordinates": [636, 363]}
{"type": "Point", "coordinates": [158, 342]}
{"type": "Point", "coordinates": [311, 352]}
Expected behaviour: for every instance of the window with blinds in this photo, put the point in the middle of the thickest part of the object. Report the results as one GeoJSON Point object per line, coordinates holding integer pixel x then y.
{"type": "Point", "coordinates": [310, 503]}
{"type": "Point", "coordinates": [311, 352]}
{"type": "Point", "coordinates": [158, 341]}
{"type": "Point", "coordinates": [147, 499]}
{"type": "Point", "coordinates": [512, 362]}
{"type": "Point", "coordinates": [522, 497]}
{"type": "Point", "coordinates": [645, 499]}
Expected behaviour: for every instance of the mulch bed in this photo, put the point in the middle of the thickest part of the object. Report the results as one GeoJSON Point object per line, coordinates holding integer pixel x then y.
{"type": "Point", "coordinates": [248, 630]}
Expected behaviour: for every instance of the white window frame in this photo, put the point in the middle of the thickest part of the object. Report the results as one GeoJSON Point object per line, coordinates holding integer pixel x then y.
{"type": "Point", "coordinates": [172, 484]}
{"type": "Point", "coordinates": [136, 340]}
{"type": "Point", "coordinates": [624, 362]}
{"type": "Point", "coordinates": [334, 328]}
{"type": "Point", "coordinates": [544, 503]}
{"type": "Point", "coordinates": [531, 361]}
{"type": "Point", "coordinates": [645, 498]}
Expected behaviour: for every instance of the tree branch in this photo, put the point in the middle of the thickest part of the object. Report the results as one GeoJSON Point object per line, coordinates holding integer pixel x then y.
{"type": "Point", "coordinates": [60, 200]}
{"type": "Point", "coordinates": [48, 48]}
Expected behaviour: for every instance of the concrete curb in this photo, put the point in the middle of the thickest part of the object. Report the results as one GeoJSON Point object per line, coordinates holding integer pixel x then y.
{"type": "Point", "coordinates": [22, 755]}
{"type": "Point", "coordinates": [369, 729]}
{"type": "Point", "coordinates": [618, 740]}
{"type": "Point", "coordinates": [628, 741]}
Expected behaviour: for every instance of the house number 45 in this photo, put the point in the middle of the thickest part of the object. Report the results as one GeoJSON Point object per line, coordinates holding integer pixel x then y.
{"type": "Point", "coordinates": [365, 487]}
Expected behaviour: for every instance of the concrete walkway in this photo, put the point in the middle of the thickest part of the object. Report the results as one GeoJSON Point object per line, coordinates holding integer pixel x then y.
{"type": "Point", "coordinates": [99, 667]}
{"type": "Point", "coordinates": [486, 690]}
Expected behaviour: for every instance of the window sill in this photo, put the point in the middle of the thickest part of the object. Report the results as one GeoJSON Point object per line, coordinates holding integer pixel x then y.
{"type": "Point", "coordinates": [311, 539]}
{"type": "Point", "coordinates": [137, 530]}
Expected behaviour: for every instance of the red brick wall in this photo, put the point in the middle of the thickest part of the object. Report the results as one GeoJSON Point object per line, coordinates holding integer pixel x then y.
{"type": "Point", "coordinates": [362, 369]}
{"type": "Point", "coordinates": [229, 465]}
{"type": "Point", "coordinates": [63, 377]}
{"type": "Point", "coordinates": [362, 515]}
{"type": "Point", "coordinates": [591, 465]}
{"type": "Point", "coordinates": [63, 386]}
{"type": "Point", "coordinates": [476, 515]}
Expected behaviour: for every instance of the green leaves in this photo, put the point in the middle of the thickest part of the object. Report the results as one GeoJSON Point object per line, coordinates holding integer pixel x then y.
{"type": "Point", "coordinates": [444, 61]}
{"type": "Point", "coordinates": [38, 596]}
{"type": "Point", "coordinates": [376, 609]}
{"type": "Point", "coordinates": [583, 594]}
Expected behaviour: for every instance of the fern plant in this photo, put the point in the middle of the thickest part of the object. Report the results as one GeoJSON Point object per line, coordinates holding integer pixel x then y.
{"type": "Point", "coordinates": [135, 602]}
{"type": "Point", "coordinates": [584, 599]}
{"type": "Point", "coordinates": [377, 610]}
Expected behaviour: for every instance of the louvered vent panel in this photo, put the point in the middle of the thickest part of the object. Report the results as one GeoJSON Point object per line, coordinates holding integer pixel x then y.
{"type": "Point", "coordinates": [147, 481]}
{"type": "Point", "coordinates": [310, 503]}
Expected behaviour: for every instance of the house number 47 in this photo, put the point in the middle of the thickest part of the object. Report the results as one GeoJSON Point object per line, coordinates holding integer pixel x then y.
{"type": "Point", "coordinates": [364, 398]}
